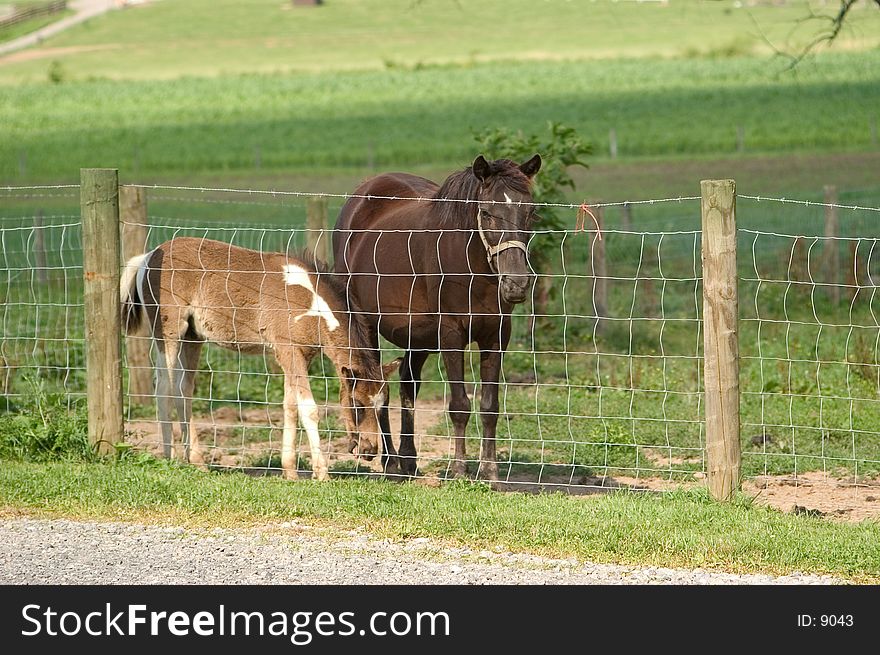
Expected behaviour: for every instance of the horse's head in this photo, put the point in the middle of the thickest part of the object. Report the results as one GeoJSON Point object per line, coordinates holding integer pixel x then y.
{"type": "Point", "coordinates": [364, 399]}
{"type": "Point", "coordinates": [504, 218]}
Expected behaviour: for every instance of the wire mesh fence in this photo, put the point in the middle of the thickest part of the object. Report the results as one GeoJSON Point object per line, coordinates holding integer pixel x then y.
{"type": "Point", "coordinates": [602, 379]}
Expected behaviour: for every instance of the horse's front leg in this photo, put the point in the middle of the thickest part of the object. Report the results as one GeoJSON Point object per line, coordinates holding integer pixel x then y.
{"type": "Point", "coordinates": [490, 370]}
{"type": "Point", "coordinates": [410, 383]}
{"type": "Point", "coordinates": [298, 394]}
{"type": "Point", "coordinates": [491, 351]}
{"type": "Point", "coordinates": [459, 406]}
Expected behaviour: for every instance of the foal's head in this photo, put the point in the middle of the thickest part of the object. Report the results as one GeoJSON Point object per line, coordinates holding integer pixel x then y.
{"type": "Point", "coordinates": [504, 219]}
{"type": "Point", "coordinates": [366, 397]}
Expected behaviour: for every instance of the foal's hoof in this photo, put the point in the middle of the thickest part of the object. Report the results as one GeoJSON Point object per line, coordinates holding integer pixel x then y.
{"type": "Point", "coordinates": [197, 458]}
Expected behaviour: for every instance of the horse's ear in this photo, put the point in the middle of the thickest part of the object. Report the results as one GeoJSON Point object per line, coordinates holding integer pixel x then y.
{"type": "Point", "coordinates": [531, 167]}
{"type": "Point", "coordinates": [391, 366]}
{"type": "Point", "coordinates": [480, 167]}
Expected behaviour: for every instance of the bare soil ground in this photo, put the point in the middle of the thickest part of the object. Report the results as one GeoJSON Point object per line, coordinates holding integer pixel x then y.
{"type": "Point", "coordinates": [814, 493]}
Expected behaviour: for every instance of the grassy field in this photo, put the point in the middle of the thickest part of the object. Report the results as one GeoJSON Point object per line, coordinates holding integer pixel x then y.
{"type": "Point", "coordinates": [685, 528]}
{"type": "Point", "coordinates": [201, 38]}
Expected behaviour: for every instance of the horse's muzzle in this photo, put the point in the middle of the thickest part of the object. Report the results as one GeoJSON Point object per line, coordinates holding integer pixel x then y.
{"type": "Point", "coordinates": [362, 448]}
{"type": "Point", "coordinates": [515, 288]}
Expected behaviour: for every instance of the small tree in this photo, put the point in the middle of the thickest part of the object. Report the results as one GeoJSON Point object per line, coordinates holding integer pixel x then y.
{"type": "Point", "coordinates": [560, 151]}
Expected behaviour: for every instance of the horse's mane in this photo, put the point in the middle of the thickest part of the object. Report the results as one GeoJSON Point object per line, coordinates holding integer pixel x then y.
{"type": "Point", "coordinates": [464, 185]}
{"type": "Point", "coordinates": [362, 335]}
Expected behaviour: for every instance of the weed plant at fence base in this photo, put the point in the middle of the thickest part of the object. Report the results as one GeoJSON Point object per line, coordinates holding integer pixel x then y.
{"type": "Point", "coordinates": [585, 394]}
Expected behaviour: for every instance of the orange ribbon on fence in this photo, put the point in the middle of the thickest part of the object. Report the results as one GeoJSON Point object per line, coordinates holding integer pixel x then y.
{"type": "Point", "coordinates": [580, 224]}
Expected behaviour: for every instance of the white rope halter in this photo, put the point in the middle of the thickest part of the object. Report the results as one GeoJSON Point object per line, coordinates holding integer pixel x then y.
{"type": "Point", "coordinates": [493, 251]}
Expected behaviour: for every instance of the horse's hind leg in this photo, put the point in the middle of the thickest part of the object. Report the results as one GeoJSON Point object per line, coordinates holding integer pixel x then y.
{"type": "Point", "coordinates": [459, 406]}
{"type": "Point", "coordinates": [410, 383]}
{"type": "Point", "coordinates": [164, 400]}
{"type": "Point", "coordinates": [183, 380]}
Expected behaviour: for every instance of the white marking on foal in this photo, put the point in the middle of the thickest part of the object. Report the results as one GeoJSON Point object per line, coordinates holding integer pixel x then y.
{"type": "Point", "coordinates": [378, 400]}
{"type": "Point", "coordinates": [308, 416]}
{"type": "Point", "coordinates": [508, 199]}
{"type": "Point", "coordinates": [293, 274]}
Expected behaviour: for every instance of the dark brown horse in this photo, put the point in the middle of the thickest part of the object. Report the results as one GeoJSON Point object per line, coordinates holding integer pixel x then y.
{"type": "Point", "coordinates": [437, 268]}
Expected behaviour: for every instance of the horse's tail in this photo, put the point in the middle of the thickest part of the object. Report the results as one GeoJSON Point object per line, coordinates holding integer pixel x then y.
{"type": "Point", "coordinates": [131, 293]}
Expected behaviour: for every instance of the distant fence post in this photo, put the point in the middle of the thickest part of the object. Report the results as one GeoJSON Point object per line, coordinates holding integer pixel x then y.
{"type": "Point", "coordinates": [612, 143]}
{"type": "Point", "coordinates": [599, 272]}
{"type": "Point", "coordinates": [99, 204]}
{"type": "Point", "coordinates": [626, 217]}
{"type": "Point", "coordinates": [40, 249]}
{"type": "Point", "coordinates": [720, 337]}
{"type": "Point", "coordinates": [831, 252]}
{"type": "Point", "coordinates": [133, 209]}
{"type": "Point", "coordinates": [317, 234]}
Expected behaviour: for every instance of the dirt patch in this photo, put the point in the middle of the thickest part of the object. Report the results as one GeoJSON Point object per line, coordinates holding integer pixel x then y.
{"type": "Point", "coordinates": [818, 494]}
{"type": "Point", "coordinates": [32, 54]}
{"type": "Point", "coordinates": [221, 432]}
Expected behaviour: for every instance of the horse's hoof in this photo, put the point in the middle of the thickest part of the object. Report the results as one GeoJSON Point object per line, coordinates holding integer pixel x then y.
{"type": "Point", "coordinates": [408, 468]}
{"type": "Point", "coordinates": [390, 465]}
{"type": "Point", "coordinates": [488, 473]}
{"type": "Point", "coordinates": [321, 476]}
{"type": "Point", "coordinates": [459, 469]}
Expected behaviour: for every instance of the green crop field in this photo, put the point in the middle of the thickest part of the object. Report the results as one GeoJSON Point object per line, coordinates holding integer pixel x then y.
{"type": "Point", "coordinates": [414, 118]}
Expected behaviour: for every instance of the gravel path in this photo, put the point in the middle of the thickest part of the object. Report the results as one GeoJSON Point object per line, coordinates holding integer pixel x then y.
{"type": "Point", "coordinates": [40, 551]}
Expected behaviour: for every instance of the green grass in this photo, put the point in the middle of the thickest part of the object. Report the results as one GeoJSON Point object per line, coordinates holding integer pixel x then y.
{"type": "Point", "coordinates": [674, 529]}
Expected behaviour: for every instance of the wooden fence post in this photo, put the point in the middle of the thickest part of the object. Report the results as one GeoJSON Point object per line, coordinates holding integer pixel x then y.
{"type": "Point", "coordinates": [612, 143]}
{"type": "Point", "coordinates": [831, 250]}
{"type": "Point", "coordinates": [133, 209]}
{"type": "Point", "coordinates": [599, 272]}
{"type": "Point", "coordinates": [720, 337]}
{"type": "Point", "coordinates": [626, 216]}
{"type": "Point", "coordinates": [40, 249]}
{"type": "Point", "coordinates": [317, 235]}
{"type": "Point", "coordinates": [99, 204]}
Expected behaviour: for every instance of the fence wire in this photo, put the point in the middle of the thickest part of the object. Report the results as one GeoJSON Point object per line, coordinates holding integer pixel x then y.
{"type": "Point", "coordinates": [601, 383]}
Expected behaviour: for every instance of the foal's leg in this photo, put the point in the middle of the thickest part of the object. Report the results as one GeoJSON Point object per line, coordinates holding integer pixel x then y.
{"type": "Point", "coordinates": [298, 399]}
{"type": "Point", "coordinates": [288, 439]}
{"type": "Point", "coordinates": [459, 406]}
{"type": "Point", "coordinates": [410, 382]}
{"type": "Point", "coordinates": [184, 377]}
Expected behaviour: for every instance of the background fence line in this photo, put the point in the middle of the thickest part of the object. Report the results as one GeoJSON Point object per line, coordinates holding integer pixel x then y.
{"type": "Point", "coordinates": [579, 404]}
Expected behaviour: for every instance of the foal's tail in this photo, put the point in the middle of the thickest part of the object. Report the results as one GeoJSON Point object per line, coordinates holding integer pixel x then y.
{"type": "Point", "coordinates": [131, 293]}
